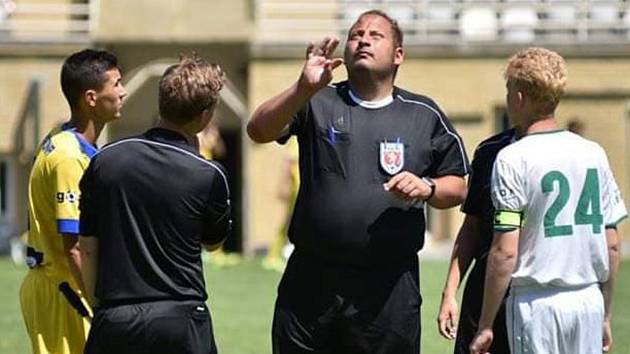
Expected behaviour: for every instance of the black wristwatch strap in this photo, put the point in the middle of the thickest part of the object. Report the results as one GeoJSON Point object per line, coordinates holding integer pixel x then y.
{"type": "Point", "coordinates": [430, 183]}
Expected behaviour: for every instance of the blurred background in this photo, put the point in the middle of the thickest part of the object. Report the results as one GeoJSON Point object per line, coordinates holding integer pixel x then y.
{"type": "Point", "coordinates": [455, 53]}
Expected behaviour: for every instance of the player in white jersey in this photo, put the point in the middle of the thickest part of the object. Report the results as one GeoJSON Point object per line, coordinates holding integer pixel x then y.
{"type": "Point", "coordinates": [557, 208]}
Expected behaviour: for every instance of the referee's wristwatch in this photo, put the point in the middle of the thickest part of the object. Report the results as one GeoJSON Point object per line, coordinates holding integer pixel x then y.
{"type": "Point", "coordinates": [431, 183]}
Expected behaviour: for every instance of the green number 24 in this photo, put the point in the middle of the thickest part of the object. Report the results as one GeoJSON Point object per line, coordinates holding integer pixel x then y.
{"type": "Point", "coordinates": [589, 199]}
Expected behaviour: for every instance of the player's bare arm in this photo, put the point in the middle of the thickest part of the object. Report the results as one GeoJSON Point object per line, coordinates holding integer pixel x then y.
{"type": "Point", "coordinates": [271, 118]}
{"type": "Point", "coordinates": [461, 258]}
{"type": "Point", "coordinates": [501, 262]}
{"type": "Point", "coordinates": [612, 240]}
{"type": "Point", "coordinates": [89, 257]}
{"type": "Point", "coordinates": [448, 192]}
{"type": "Point", "coordinates": [73, 255]}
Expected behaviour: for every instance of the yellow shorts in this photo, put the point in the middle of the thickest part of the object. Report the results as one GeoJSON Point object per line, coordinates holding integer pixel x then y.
{"type": "Point", "coordinates": [53, 326]}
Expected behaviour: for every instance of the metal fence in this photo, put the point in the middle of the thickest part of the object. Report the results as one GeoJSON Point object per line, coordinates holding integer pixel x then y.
{"type": "Point", "coordinates": [452, 22]}
{"type": "Point", "coordinates": [62, 22]}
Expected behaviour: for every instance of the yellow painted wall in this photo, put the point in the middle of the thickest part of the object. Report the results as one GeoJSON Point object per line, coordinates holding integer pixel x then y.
{"type": "Point", "coordinates": [175, 21]}
{"type": "Point", "coordinates": [15, 74]}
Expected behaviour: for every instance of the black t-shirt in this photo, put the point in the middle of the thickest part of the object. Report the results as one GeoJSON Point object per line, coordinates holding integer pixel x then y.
{"type": "Point", "coordinates": [152, 201]}
{"type": "Point", "coordinates": [478, 202]}
{"type": "Point", "coordinates": [342, 213]}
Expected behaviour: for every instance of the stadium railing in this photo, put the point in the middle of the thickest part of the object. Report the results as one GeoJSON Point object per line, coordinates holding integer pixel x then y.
{"type": "Point", "coordinates": [452, 21]}
{"type": "Point", "coordinates": [50, 22]}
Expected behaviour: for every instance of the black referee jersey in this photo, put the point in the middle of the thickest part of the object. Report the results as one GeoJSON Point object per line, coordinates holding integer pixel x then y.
{"type": "Point", "coordinates": [478, 200]}
{"type": "Point", "coordinates": [348, 149]}
{"type": "Point", "coordinates": [152, 201]}
{"type": "Point", "coordinates": [479, 203]}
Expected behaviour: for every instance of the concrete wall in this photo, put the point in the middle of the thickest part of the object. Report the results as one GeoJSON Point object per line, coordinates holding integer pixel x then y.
{"type": "Point", "coordinates": [471, 91]}
{"type": "Point", "coordinates": [141, 109]}
{"type": "Point", "coordinates": [173, 21]}
{"type": "Point", "coordinates": [15, 75]}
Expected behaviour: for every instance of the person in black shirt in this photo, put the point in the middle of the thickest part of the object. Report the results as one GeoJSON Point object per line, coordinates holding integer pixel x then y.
{"type": "Point", "coordinates": [473, 243]}
{"type": "Point", "coordinates": [371, 155]}
{"type": "Point", "coordinates": [149, 205]}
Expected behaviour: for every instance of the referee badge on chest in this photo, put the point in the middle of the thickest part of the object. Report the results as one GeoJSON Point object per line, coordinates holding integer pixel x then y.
{"type": "Point", "coordinates": [392, 156]}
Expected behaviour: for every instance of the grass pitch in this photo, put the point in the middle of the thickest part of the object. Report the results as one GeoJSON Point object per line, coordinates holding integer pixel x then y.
{"type": "Point", "coordinates": [242, 297]}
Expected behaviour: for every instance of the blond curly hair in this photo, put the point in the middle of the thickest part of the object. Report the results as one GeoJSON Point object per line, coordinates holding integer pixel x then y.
{"type": "Point", "coordinates": [541, 74]}
{"type": "Point", "coordinates": [188, 88]}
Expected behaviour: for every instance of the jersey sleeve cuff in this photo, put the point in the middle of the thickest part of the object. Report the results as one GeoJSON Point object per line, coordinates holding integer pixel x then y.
{"type": "Point", "coordinates": [613, 225]}
{"type": "Point", "coordinates": [68, 226]}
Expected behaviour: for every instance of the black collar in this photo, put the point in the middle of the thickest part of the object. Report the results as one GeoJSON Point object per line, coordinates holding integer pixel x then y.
{"type": "Point", "coordinates": [171, 137]}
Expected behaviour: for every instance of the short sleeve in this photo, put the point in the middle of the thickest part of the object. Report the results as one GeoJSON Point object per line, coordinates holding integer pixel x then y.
{"type": "Point", "coordinates": [478, 197]}
{"type": "Point", "coordinates": [447, 149]}
{"type": "Point", "coordinates": [87, 205]}
{"type": "Point", "coordinates": [296, 126]}
{"type": "Point", "coordinates": [508, 194]}
{"type": "Point", "coordinates": [614, 208]}
{"type": "Point", "coordinates": [218, 218]}
{"type": "Point", "coordinates": [65, 179]}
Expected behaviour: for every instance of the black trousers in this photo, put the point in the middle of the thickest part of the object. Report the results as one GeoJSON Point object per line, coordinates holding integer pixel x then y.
{"type": "Point", "coordinates": [160, 327]}
{"type": "Point", "coordinates": [332, 309]}
{"type": "Point", "coordinates": [471, 311]}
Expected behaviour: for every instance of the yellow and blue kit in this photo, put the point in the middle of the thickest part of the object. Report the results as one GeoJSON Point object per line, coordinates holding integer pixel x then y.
{"type": "Point", "coordinates": [54, 326]}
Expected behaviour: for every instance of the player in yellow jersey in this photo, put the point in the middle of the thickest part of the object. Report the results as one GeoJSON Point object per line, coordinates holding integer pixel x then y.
{"type": "Point", "coordinates": [55, 311]}
{"type": "Point", "coordinates": [288, 189]}
{"type": "Point", "coordinates": [211, 146]}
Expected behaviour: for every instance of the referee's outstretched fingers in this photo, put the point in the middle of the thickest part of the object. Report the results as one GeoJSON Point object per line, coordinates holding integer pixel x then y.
{"type": "Point", "coordinates": [330, 46]}
{"type": "Point", "coordinates": [309, 49]}
{"type": "Point", "coordinates": [320, 50]}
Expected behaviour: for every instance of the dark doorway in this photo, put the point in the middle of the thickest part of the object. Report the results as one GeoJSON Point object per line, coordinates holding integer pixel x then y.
{"type": "Point", "coordinates": [233, 162]}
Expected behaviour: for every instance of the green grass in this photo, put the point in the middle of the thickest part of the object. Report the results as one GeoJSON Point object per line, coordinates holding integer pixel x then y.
{"type": "Point", "coordinates": [241, 301]}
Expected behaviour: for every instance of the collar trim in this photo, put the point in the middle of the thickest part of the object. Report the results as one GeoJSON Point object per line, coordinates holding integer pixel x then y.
{"type": "Point", "coordinates": [371, 104]}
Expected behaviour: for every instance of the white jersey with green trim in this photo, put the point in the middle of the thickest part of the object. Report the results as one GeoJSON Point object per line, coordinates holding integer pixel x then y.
{"type": "Point", "coordinates": [565, 191]}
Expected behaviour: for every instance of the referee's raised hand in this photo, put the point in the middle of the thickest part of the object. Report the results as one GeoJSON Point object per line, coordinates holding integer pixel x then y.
{"type": "Point", "coordinates": [317, 71]}
{"type": "Point", "coordinates": [271, 119]}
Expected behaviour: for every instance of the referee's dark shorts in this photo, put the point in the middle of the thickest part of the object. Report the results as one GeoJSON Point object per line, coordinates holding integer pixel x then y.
{"type": "Point", "coordinates": [471, 311]}
{"type": "Point", "coordinates": [332, 309]}
{"type": "Point", "coordinates": [158, 327]}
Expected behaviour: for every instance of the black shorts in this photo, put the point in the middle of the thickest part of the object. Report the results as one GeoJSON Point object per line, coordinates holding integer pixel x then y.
{"type": "Point", "coordinates": [333, 309]}
{"type": "Point", "coordinates": [160, 327]}
{"type": "Point", "coordinates": [471, 311]}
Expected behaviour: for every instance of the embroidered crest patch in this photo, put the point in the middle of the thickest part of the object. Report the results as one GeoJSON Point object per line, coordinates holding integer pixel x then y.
{"type": "Point", "coordinates": [392, 156]}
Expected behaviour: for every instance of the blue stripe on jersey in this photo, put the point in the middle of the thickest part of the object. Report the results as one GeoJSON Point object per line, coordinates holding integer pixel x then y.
{"type": "Point", "coordinates": [88, 149]}
{"type": "Point", "coordinates": [67, 226]}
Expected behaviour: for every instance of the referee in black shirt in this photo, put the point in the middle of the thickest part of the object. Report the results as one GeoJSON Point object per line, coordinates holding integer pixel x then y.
{"type": "Point", "coordinates": [149, 204]}
{"type": "Point", "coordinates": [371, 155]}
{"type": "Point", "coordinates": [473, 243]}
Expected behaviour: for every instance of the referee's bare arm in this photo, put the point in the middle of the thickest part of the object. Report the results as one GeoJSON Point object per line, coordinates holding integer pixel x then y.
{"type": "Point", "coordinates": [73, 255]}
{"type": "Point", "coordinates": [450, 191]}
{"type": "Point", "coordinates": [271, 119]}
{"type": "Point", "coordinates": [461, 258]}
{"type": "Point", "coordinates": [89, 264]}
